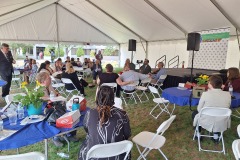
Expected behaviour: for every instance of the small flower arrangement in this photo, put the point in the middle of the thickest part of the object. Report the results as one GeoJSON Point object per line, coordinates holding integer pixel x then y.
{"type": "Point", "coordinates": [202, 80]}
{"type": "Point", "coordinates": [33, 96]}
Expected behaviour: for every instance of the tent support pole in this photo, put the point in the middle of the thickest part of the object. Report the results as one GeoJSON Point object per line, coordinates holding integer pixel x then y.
{"type": "Point", "coordinates": [238, 44]}
{"type": "Point", "coordinates": [57, 30]}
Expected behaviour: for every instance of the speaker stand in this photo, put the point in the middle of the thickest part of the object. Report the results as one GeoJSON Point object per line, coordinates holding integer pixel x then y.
{"type": "Point", "coordinates": [191, 80]}
{"type": "Point", "coordinates": [132, 57]}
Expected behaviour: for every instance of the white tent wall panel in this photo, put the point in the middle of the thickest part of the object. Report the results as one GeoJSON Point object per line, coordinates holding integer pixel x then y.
{"type": "Point", "coordinates": [39, 25]}
{"type": "Point", "coordinates": [98, 19]}
{"type": "Point", "coordinates": [168, 48]}
{"type": "Point", "coordinates": [73, 29]}
{"type": "Point", "coordinates": [24, 11]}
{"type": "Point", "coordinates": [233, 54]}
{"type": "Point", "coordinates": [141, 18]}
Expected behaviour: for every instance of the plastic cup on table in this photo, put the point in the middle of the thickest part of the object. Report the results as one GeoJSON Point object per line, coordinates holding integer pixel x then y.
{"type": "Point", "coordinates": [12, 116]}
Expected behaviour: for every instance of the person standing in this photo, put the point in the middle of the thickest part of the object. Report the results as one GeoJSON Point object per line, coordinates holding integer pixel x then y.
{"type": "Point", "coordinates": [99, 56]}
{"type": "Point", "coordinates": [52, 55]}
{"type": "Point", "coordinates": [6, 67]}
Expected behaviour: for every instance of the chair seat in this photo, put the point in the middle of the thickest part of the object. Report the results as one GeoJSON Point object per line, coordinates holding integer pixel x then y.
{"type": "Point", "coordinates": [58, 85]}
{"type": "Point", "coordinates": [160, 100]}
{"type": "Point", "coordinates": [145, 137]}
{"type": "Point", "coordinates": [141, 88]}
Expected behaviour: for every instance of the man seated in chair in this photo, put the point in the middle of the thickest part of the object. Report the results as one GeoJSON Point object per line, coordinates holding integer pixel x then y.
{"type": "Point", "coordinates": [145, 68]}
{"type": "Point", "coordinates": [131, 75]}
{"type": "Point", "coordinates": [214, 97]}
{"type": "Point", "coordinates": [160, 71]}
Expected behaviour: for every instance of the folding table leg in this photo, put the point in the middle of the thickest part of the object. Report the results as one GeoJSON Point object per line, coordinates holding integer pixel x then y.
{"type": "Point", "coordinates": [46, 148]}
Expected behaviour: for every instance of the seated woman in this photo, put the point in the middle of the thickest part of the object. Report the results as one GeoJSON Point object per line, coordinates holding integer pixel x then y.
{"type": "Point", "coordinates": [58, 65]}
{"type": "Point", "coordinates": [110, 77]}
{"type": "Point", "coordinates": [214, 97]}
{"type": "Point", "coordinates": [233, 79]}
{"type": "Point", "coordinates": [33, 71]}
{"type": "Point", "coordinates": [42, 68]}
{"type": "Point", "coordinates": [96, 70]}
{"type": "Point", "coordinates": [71, 74]}
{"type": "Point", "coordinates": [50, 70]}
{"type": "Point", "coordinates": [105, 124]}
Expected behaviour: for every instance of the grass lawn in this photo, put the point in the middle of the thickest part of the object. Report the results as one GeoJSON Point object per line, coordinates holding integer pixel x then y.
{"type": "Point", "coordinates": [179, 143]}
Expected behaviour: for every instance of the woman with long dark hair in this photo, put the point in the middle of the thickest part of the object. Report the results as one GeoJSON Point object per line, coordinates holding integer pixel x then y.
{"type": "Point", "coordinates": [233, 79]}
{"type": "Point", "coordinates": [105, 124]}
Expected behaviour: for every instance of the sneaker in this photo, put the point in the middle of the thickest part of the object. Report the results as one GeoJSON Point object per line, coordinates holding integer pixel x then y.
{"type": "Point", "coordinates": [57, 142]}
{"type": "Point", "coordinates": [73, 139]}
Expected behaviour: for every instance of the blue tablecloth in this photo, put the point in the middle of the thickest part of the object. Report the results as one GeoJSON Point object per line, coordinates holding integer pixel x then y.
{"type": "Point", "coordinates": [32, 133]}
{"type": "Point", "coordinates": [2, 83]}
{"type": "Point", "coordinates": [181, 97]}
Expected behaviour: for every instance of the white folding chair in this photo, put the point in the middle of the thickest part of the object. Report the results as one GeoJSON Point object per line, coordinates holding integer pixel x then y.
{"type": "Point", "coordinates": [110, 150]}
{"type": "Point", "coordinates": [236, 148]}
{"type": "Point", "coordinates": [16, 78]}
{"type": "Point", "coordinates": [162, 103]}
{"type": "Point", "coordinates": [112, 85]}
{"type": "Point", "coordinates": [142, 87]}
{"type": "Point", "coordinates": [150, 141]}
{"type": "Point", "coordinates": [215, 116]}
{"type": "Point", "coordinates": [131, 95]}
{"type": "Point", "coordinates": [25, 156]}
{"type": "Point", "coordinates": [159, 82]}
{"type": "Point", "coordinates": [10, 98]}
{"type": "Point", "coordinates": [87, 72]}
{"type": "Point", "coordinates": [58, 86]}
{"type": "Point", "coordinates": [118, 103]}
{"type": "Point", "coordinates": [238, 130]}
{"type": "Point", "coordinates": [70, 92]}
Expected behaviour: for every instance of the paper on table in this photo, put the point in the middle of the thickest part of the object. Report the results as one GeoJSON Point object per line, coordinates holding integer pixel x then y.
{"type": "Point", "coordinates": [58, 98]}
{"type": "Point", "coordinates": [56, 73]}
{"type": "Point", "coordinates": [32, 119]}
{"type": "Point", "coordinates": [6, 133]}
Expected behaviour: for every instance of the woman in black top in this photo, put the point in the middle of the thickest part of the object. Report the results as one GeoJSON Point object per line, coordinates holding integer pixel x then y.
{"type": "Point", "coordinates": [96, 70]}
{"type": "Point", "coordinates": [110, 77]}
{"type": "Point", "coordinates": [71, 74]}
{"type": "Point", "coordinates": [105, 124]}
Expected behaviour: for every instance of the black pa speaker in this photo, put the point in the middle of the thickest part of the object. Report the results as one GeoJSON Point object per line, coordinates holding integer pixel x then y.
{"type": "Point", "coordinates": [193, 42]}
{"type": "Point", "coordinates": [132, 45]}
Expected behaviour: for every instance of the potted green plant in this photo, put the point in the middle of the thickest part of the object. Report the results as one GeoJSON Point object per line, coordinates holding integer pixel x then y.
{"type": "Point", "coordinates": [33, 99]}
{"type": "Point", "coordinates": [202, 81]}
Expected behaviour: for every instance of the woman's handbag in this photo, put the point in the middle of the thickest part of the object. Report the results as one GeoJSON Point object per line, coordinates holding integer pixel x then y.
{"type": "Point", "coordinates": [54, 110]}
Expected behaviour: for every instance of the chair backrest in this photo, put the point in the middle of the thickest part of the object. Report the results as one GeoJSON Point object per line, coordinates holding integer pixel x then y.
{"type": "Point", "coordinates": [110, 150]}
{"type": "Point", "coordinates": [165, 125]}
{"type": "Point", "coordinates": [162, 78]}
{"type": "Point", "coordinates": [9, 98]}
{"type": "Point", "coordinates": [118, 102]}
{"type": "Point", "coordinates": [154, 91]}
{"type": "Point", "coordinates": [214, 119]}
{"type": "Point", "coordinates": [25, 156]}
{"type": "Point", "coordinates": [236, 148]}
{"type": "Point", "coordinates": [16, 72]}
{"type": "Point", "coordinates": [68, 81]}
{"type": "Point", "coordinates": [216, 112]}
{"type": "Point", "coordinates": [238, 130]}
{"type": "Point", "coordinates": [114, 85]}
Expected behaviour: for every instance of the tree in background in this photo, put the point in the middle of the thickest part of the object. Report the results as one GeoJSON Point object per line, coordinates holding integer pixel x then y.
{"type": "Point", "coordinates": [80, 52]}
{"type": "Point", "coordinates": [26, 48]}
{"type": "Point", "coordinates": [49, 47]}
{"type": "Point", "coordinates": [110, 51]}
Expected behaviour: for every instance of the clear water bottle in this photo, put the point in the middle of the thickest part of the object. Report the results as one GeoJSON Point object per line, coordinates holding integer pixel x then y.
{"type": "Point", "coordinates": [52, 95]}
{"type": "Point", "coordinates": [230, 89]}
{"type": "Point", "coordinates": [20, 111]}
{"type": "Point", "coordinates": [63, 155]}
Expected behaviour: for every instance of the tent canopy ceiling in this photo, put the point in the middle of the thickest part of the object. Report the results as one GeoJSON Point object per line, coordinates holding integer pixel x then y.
{"type": "Point", "coordinates": [113, 21]}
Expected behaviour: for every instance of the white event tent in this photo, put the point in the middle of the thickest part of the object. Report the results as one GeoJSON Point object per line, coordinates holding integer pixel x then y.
{"type": "Point", "coordinates": [159, 26]}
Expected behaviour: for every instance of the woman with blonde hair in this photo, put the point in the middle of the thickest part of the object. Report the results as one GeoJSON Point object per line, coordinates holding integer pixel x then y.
{"type": "Point", "coordinates": [72, 75]}
{"type": "Point", "coordinates": [105, 124]}
{"type": "Point", "coordinates": [233, 79]}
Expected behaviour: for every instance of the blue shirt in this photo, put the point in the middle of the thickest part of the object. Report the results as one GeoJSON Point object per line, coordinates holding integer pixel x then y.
{"type": "Point", "coordinates": [162, 71]}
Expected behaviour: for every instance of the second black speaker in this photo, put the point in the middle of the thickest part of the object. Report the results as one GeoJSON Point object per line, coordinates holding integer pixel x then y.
{"type": "Point", "coordinates": [132, 45]}
{"type": "Point", "coordinates": [193, 42]}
